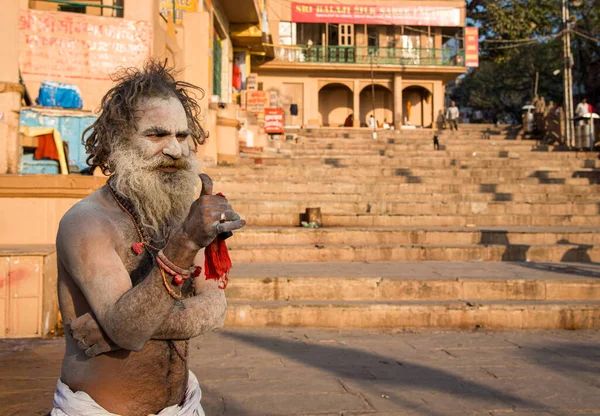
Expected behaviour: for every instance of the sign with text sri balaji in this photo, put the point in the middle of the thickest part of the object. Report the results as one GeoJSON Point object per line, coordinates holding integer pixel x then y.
{"type": "Point", "coordinates": [471, 47]}
{"type": "Point", "coordinates": [376, 15]}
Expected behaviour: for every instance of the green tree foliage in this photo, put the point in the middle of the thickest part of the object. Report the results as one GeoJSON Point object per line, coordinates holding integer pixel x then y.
{"type": "Point", "coordinates": [520, 38]}
{"type": "Point", "coordinates": [507, 85]}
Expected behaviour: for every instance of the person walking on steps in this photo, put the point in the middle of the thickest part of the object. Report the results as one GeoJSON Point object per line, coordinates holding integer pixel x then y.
{"type": "Point", "coordinates": [452, 116]}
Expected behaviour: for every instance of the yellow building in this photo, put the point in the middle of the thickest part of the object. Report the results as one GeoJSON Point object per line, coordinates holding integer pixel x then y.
{"type": "Point", "coordinates": [323, 58]}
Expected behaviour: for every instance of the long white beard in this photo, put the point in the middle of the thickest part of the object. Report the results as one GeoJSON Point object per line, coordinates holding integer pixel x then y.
{"type": "Point", "coordinates": [161, 200]}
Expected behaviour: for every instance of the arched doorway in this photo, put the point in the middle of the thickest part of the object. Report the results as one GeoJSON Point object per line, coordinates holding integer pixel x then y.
{"type": "Point", "coordinates": [336, 103]}
{"type": "Point", "coordinates": [384, 105]}
{"type": "Point", "coordinates": [417, 106]}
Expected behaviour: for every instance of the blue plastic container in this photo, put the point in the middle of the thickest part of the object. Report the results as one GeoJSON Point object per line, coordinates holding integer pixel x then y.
{"type": "Point", "coordinates": [58, 94]}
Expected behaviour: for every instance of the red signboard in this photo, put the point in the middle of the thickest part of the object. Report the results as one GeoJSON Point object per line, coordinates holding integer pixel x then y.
{"type": "Point", "coordinates": [376, 15]}
{"type": "Point", "coordinates": [274, 120]}
{"type": "Point", "coordinates": [471, 47]}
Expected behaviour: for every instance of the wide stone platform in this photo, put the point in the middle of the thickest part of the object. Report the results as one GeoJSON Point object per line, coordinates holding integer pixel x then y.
{"type": "Point", "coordinates": [523, 295]}
{"type": "Point", "coordinates": [309, 371]}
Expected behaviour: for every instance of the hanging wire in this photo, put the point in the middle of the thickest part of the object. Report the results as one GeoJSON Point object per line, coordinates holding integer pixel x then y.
{"type": "Point", "coordinates": [596, 40]}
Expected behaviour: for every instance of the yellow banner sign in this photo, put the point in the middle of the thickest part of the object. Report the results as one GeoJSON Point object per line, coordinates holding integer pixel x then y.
{"type": "Point", "coordinates": [180, 7]}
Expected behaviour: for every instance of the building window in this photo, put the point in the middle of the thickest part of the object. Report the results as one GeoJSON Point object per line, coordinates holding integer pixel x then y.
{"type": "Point", "coordinates": [373, 35]}
{"type": "Point", "coordinates": [287, 33]}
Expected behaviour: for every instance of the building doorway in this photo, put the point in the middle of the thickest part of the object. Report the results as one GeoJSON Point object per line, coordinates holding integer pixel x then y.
{"type": "Point", "coordinates": [336, 103]}
{"type": "Point", "coordinates": [417, 106]}
{"type": "Point", "coordinates": [384, 105]}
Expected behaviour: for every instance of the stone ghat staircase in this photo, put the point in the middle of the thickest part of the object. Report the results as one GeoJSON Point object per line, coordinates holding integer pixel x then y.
{"type": "Point", "coordinates": [452, 217]}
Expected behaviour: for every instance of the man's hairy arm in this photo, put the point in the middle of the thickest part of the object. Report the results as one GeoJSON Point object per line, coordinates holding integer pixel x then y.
{"type": "Point", "coordinates": [129, 315]}
{"type": "Point", "coordinates": [194, 316]}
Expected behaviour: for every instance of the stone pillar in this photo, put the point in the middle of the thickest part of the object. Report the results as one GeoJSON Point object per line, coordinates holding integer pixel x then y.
{"type": "Point", "coordinates": [398, 100]}
{"type": "Point", "coordinates": [438, 100]}
{"type": "Point", "coordinates": [356, 103]}
{"type": "Point", "coordinates": [311, 100]}
{"type": "Point", "coordinates": [195, 50]}
{"type": "Point", "coordinates": [9, 21]}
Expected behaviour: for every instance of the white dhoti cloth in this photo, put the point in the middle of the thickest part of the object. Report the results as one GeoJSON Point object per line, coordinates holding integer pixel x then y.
{"type": "Point", "coordinates": [67, 403]}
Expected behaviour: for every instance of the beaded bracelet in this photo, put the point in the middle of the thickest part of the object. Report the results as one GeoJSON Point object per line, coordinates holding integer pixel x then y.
{"type": "Point", "coordinates": [174, 295]}
{"type": "Point", "coordinates": [175, 271]}
{"type": "Point", "coordinates": [173, 266]}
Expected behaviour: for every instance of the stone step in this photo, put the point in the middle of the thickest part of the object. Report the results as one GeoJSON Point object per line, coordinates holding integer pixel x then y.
{"type": "Point", "coordinates": [416, 235]}
{"type": "Point", "coordinates": [370, 159]}
{"type": "Point", "coordinates": [292, 185]}
{"type": "Point", "coordinates": [427, 169]}
{"type": "Point", "coordinates": [278, 253]}
{"type": "Point", "coordinates": [407, 177]}
{"type": "Point", "coordinates": [412, 197]}
{"type": "Point", "coordinates": [440, 163]}
{"type": "Point", "coordinates": [415, 208]}
{"type": "Point", "coordinates": [356, 149]}
{"type": "Point", "coordinates": [422, 294]}
{"type": "Point", "coordinates": [369, 220]}
{"type": "Point", "coordinates": [310, 149]}
{"type": "Point", "coordinates": [422, 281]}
{"type": "Point", "coordinates": [591, 175]}
{"type": "Point", "coordinates": [467, 131]}
{"type": "Point", "coordinates": [404, 314]}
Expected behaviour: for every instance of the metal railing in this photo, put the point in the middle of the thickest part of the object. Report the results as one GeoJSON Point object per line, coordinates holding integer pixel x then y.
{"type": "Point", "coordinates": [365, 55]}
{"type": "Point", "coordinates": [83, 4]}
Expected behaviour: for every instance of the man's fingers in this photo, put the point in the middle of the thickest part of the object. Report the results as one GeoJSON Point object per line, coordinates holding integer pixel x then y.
{"type": "Point", "coordinates": [83, 345]}
{"type": "Point", "coordinates": [226, 215]}
{"type": "Point", "coordinates": [230, 226]}
{"type": "Point", "coordinates": [93, 337]}
{"type": "Point", "coordinates": [97, 349]}
{"type": "Point", "coordinates": [207, 184]}
{"type": "Point", "coordinates": [80, 322]}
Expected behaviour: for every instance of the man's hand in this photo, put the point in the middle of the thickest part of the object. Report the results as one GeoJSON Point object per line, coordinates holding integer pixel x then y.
{"type": "Point", "coordinates": [90, 336]}
{"type": "Point", "coordinates": [209, 216]}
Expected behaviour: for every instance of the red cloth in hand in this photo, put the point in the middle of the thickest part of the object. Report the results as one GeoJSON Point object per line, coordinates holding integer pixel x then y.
{"type": "Point", "coordinates": [217, 262]}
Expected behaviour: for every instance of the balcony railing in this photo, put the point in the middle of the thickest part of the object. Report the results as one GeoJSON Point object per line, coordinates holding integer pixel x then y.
{"type": "Point", "coordinates": [365, 55]}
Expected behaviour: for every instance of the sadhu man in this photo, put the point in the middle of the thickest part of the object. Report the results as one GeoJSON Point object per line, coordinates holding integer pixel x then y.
{"type": "Point", "coordinates": [127, 286]}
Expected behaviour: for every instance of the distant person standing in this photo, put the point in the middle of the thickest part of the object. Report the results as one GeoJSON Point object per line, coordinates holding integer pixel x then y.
{"type": "Point", "coordinates": [582, 108]}
{"type": "Point", "coordinates": [452, 116]}
{"type": "Point", "coordinates": [372, 123]}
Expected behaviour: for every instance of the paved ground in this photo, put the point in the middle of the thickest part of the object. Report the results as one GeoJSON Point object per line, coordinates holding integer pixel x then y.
{"type": "Point", "coordinates": [304, 371]}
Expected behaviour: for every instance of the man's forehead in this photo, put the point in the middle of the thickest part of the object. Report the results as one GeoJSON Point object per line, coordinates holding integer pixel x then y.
{"type": "Point", "coordinates": [161, 112]}
{"type": "Point", "coordinates": [158, 104]}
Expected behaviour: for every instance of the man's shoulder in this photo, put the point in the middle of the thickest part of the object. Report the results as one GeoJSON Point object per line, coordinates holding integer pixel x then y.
{"type": "Point", "coordinates": [87, 217]}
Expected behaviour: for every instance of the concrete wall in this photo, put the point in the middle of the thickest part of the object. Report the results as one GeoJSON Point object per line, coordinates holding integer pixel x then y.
{"type": "Point", "coordinates": [162, 46]}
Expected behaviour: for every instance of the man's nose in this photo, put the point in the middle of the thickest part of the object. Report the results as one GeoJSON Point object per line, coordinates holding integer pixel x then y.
{"type": "Point", "coordinates": [173, 148]}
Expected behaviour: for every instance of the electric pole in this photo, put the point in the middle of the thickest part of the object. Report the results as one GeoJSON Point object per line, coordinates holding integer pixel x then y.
{"type": "Point", "coordinates": [567, 75]}
{"type": "Point", "coordinates": [374, 135]}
